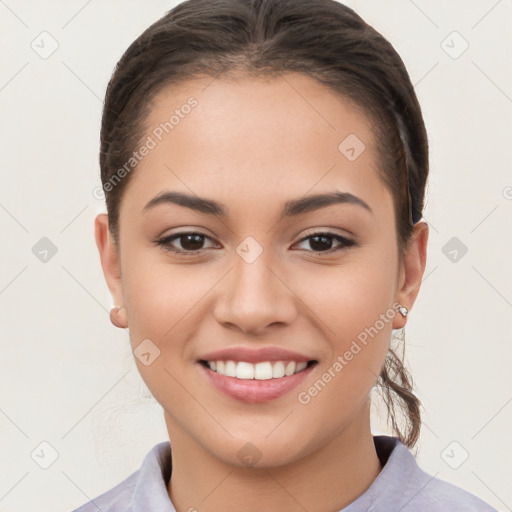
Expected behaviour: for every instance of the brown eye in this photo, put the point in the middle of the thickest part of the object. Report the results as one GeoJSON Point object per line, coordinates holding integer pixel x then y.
{"type": "Point", "coordinates": [189, 242]}
{"type": "Point", "coordinates": [323, 242]}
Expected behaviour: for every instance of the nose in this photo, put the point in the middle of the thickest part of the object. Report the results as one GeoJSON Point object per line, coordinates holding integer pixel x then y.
{"type": "Point", "coordinates": [254, 296]}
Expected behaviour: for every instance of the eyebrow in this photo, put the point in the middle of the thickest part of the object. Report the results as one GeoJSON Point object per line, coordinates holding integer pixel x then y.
{"type": "Point", "coordinates": [291, 208]}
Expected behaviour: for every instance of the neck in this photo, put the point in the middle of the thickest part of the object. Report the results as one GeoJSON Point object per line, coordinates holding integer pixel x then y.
{"type": "Point", "coordinates": [327, 480]}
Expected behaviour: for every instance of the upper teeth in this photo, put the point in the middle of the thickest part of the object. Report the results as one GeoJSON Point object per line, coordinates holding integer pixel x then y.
{"type": "Point", "coordinates": [260, 371]}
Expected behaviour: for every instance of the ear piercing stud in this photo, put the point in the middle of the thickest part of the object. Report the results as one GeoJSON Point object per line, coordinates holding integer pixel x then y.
{"type": "Point", "coordinates": [403, 311]}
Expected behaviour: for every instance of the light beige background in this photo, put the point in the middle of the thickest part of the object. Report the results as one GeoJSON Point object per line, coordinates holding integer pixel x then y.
{"type": "Point", "coordinates": [67, 375]}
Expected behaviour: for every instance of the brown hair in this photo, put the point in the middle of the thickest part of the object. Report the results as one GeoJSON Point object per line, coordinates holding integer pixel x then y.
{"type": "Point", "coordinates": [320, 38]}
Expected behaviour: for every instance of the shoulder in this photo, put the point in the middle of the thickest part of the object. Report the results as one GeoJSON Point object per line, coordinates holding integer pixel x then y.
{"type": "Point", "coordinates": [403, 485]}
{"type": "Point", "coordinates": [131, 493]}
{"type": "Point", "coordinates": [436, 495]}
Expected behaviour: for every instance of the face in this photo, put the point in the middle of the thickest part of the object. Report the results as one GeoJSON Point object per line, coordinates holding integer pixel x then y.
{"type": "Point", "coordinates": [248, 268]}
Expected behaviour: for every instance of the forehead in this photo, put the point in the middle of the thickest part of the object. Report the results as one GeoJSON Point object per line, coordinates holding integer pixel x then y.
{"type": "Point", "coordinates": [268, 134]}
{"type": "Point", "coordinates": [256, 108]}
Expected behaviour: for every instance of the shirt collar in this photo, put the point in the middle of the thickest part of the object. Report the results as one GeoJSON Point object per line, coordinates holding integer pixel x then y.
{"type": "Point", "coordinates": [150, 492]}
{"type": "Point", "coordinates": [399, 465]}
{"type": "Point", "coordinates": [398, 481]}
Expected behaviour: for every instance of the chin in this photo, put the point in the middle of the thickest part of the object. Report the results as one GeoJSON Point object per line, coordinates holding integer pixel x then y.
{"type": "Point", "coordinates": [260, 451]}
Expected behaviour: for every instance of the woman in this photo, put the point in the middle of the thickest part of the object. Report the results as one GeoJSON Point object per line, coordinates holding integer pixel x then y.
{"type": "Point", "coordinates": [264, 164]}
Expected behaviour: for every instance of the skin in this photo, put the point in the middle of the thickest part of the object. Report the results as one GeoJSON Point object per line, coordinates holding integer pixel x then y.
{"type": "Point", "coordinates": [253, 144]}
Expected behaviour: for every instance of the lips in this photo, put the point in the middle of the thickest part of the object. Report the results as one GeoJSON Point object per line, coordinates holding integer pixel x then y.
{"type": "Point", "coordinates": [255, 375]}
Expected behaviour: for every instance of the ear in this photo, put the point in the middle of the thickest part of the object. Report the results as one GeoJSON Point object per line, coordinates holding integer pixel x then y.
{"type": "Point", "coordinates": [110, 261]}
{"type": "Point", "coordinates": [411, 271]}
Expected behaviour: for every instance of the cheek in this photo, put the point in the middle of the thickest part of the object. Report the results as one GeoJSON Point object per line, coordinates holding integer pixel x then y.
{"type": "Point", "coordinates": [355, 305]}
{"type": "Point", "coordinates": [163, 302]}
{"type": "Point", "coordinates": [360, 328]}
{"type": "Point", "coordinates": [161, 298]}
{"type": "Point", "coordinates": [352, 297]}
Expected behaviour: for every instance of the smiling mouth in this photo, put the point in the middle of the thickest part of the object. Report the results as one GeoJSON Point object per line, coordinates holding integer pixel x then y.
{"type": "Point", "coordinates": [265, 370]}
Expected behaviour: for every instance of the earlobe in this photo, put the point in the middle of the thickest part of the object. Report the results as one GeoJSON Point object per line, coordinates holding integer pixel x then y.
{"type": "Point", "coordinates": [413, 268]}
{"type": "Point", "coordinates": [118, 317]}
{"type": "Point", "coordinates": [110, 264]}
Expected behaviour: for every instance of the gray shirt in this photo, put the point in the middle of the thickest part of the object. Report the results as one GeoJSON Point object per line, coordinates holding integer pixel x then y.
{"type": "Point", "coordinates": [401, 486]}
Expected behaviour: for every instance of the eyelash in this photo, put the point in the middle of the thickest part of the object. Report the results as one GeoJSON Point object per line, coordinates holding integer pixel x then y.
{"type": "Point", "coordinates": [165, 242]}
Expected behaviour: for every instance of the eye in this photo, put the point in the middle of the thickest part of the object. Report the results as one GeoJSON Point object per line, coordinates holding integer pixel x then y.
{"type": "Point", "coordinates": [191, 242]}
{"type": "Point", "coordinates": [322, 242]}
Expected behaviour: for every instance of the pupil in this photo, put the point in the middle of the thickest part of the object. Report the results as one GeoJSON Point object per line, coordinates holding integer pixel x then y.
{"type": "Point", "coordinates": [324, 239]}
